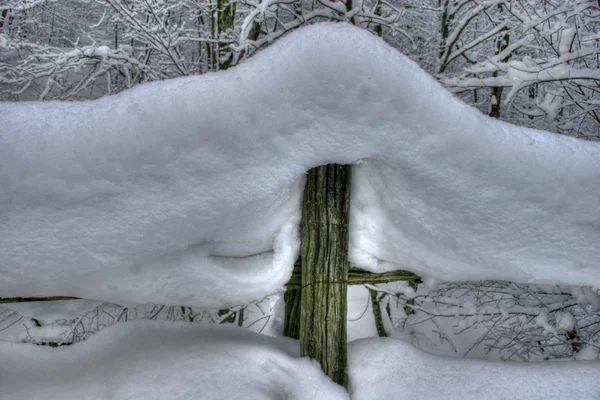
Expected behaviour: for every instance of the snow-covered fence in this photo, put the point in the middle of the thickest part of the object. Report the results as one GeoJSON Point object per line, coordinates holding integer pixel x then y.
{"type": "Point", "coordinates": [158, 193]}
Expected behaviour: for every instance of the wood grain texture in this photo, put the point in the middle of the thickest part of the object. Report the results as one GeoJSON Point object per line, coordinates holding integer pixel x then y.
{"type": "Point", "coordinates": [324, 252]}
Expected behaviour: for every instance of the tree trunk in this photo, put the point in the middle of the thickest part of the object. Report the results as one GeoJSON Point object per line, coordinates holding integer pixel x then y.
{"type": "Point", "coordinates": [324, 252]}
{"type": "Point", "coordinates": [3, 14]}
{"type": "Point", "coordinates": [501, 45]}
{"type": "Point", "coordinates": [224, 21]}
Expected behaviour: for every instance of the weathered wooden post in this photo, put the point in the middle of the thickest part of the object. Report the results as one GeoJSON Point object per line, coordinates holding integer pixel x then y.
{"type": "Point", "coordinates": [316, 296]}
{"type": "Point", "coordinates": [324, 254]}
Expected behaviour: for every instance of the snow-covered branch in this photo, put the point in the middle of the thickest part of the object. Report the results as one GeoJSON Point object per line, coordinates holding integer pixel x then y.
{"type": "Point", "coordinates": [544, 54]}
{"type": "Point", "coordinates": [21, 5]}
{"type": "Point", "coordinates": [516, 322]}
{"type": "Point", "coordinates": [266, 21]}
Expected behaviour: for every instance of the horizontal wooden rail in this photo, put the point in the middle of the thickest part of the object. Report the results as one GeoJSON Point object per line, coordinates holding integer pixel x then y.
{"type": "Point", "coordinates": [5, 300]}
{"type": "Point", "coordinates": [357, 276]}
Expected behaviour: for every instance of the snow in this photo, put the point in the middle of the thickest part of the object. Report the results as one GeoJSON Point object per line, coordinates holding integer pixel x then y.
{"type": "Point", "coordinates": [393, 369]}
{"type": "Point", "coordinates": [361, 323]}
{"type": "Point", "coordinates": [153, 360]}
{"type": "Point", "coordinates": [566, 321]}
{"type": "Point", "coordinates": [550, 105]}
{"type": "Point", "coordinates": [482, 207]}
{"type": "Point", "coordinates": [566, 40]}
{"type": "Point", "coordinates": [19, 4]}
{"type": "Point", "coordinates": [188, 191]}
{"type": "Point", "coordinates": [495, 320]}
{"type": "Point", "coordinates": [166, 360]}
{"type": "Point", "coordinates": [588, 353]}
{"type": "Point", "coordinates": [48, 311]}
{"type": "Point", "coordinates": [72, 321]}
{"type": "Point", "coordinates": [13, 325]}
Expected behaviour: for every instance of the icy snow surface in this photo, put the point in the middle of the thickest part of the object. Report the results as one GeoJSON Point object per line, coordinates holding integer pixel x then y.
{"type": "Point", "coordinates": [188, 191]}
{"type": "Point", "coordinates": [152, 360]}
{"type": "Point", "coordinates": [394, 370]}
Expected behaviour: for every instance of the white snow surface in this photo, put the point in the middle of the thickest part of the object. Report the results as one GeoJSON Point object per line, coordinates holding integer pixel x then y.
{"type": "Point", "coordinates": [165, 360]}
{"type": "Point", "coordinates": [188, 191]}
{"type": "Point", "coordinates": [152, 360]}
{"type": "Point", "coordinates": [394, 370]}
{"type": "Point", "coordinates": [49, 311]}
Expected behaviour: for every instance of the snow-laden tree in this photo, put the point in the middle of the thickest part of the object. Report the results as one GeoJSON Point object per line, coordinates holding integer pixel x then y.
{"type": "Point", "coordinates": [266, 21]}
{"type": "Point", "coordinates": [62, 50]}
{"type": "Point", "coordinates": [530, 62]}
{"type": "Point", "coordinates": [498, 320]}
{"type": "Point", "coordinates": [539, 60]}
{"type": "Point", "coordinates": [127, 43]}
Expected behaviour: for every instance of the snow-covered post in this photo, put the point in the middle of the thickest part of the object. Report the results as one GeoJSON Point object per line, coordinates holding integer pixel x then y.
{"type": "Point", "coordinates": [324, 252]}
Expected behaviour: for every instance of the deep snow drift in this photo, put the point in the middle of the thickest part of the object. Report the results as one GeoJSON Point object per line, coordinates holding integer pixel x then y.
{"type": "Point", "coordinates": [393, 369]}
{"type": "Point", "coordinates": [165, 360]}
{"type": "Point", "coordinates": [188, 191]}
{"type": "Point", "coordinates": [154, 360]}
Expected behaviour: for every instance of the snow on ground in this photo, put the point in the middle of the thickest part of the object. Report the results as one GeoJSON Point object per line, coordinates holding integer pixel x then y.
{"type": "Point", "coordinates": [45, 321]}
{"type": "Point", "coordinates": [188, 191]}
{"type": "Point", "coordinates": [361, 323]}
{"type": "Point", "coordinates": [72, 321]}
{"type": "Point", "coordinates": [165, 360]}
{"type": "Point", "coordinates": [394, 370]}
{"type": "Point", "coordinates": [53, 310]}
{"type": "Point", "coordinates": [68, 321]}
{"type": "Point", "coordinates": [490, 321]}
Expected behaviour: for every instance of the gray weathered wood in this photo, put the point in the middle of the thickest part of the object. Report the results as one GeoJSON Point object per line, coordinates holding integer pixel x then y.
{"type": "Point", "coordinates": [375, 304]}
{"type": "Point", "coordinates": [357, 276]}
{"type": "Point", "coordinates": [324, 252]}
{"type": "Point", "coordinates": [291, 325]}
{"type": "Point", "coordinates": [5, 300]}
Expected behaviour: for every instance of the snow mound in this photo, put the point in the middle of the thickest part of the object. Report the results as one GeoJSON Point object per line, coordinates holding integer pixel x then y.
{"type": "Point", "coordinates": [394, 370]}
{"type": "Point", "coordinates": [153, 360]}
{"type": "Point", "coordinates": [188, 191]}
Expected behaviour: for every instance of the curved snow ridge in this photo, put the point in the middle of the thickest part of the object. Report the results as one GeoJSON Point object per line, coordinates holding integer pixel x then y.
{"type": "Point", "coordinates": [163, 191]}
{"type": "Point", "coordinates": [155, 360]}
{"type": "Point", "coordinates": [393, 369]}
